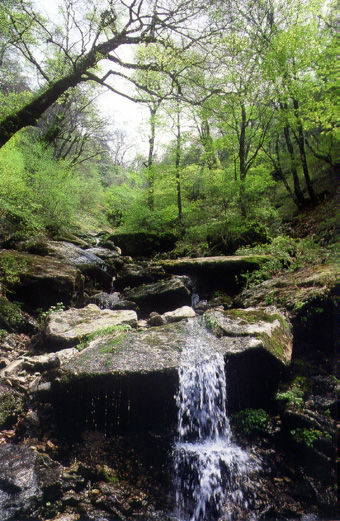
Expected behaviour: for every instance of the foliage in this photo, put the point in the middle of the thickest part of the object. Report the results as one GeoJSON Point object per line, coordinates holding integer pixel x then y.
{"type": "Point", "coordinates": [306, 436]}
{"type": "Point", "coordinates": [287, 254]}
{"type": "Point", "coordinates": [10, 269]}
{"type": "Point", "coordinates": [43, 315]}
{"type": "Point", "coordinates": [252, 422]}
{"type": "Point", "coordinates": [38, 193]}
{"type": "Point", "coordinates": [294, 395]}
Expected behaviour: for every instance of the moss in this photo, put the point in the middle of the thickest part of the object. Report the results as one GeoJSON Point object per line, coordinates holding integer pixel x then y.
{"type": "Point", "coordinates": [10, 315]}
{"type": "Point", "coordinates": [10, 407]}
{"type": "Point", "coordinates": [255, 316]}
{"type": "Point", "coordinates": [275, 342]}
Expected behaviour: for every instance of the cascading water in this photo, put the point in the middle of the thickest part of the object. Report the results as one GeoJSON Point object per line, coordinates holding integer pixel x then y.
{"type": "Point", "coordinates": [210, 470]}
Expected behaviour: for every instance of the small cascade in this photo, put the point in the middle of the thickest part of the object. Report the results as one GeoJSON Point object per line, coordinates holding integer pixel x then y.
{"type": "Point", "coordinates": [211, 471]}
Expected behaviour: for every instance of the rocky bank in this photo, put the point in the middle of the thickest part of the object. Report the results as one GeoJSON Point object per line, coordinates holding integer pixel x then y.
{"type": "Point", "coordinates": [89, 370]}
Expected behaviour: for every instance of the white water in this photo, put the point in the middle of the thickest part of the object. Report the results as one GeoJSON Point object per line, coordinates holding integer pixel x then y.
{"type": "Point", "coordinates": [210, 470]}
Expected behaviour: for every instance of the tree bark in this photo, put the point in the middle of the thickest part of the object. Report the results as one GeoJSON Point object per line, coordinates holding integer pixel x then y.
{"type": "Point", "coordinates": [243, 158]}
{"type": "Point", "coordinates": [300, 138]}
{"type": "Point", "coordinates": [34, 109]}
{"type": "Point", "coordinates": [151, 178]}
{"type": "Point", "coordinates": [178, 173]}
{"type": "Point", "coordinates": [297, 188]}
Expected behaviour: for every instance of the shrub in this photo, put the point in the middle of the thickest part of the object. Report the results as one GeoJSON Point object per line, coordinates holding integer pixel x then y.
{"type": "Point", "coordinates": [252, 422]}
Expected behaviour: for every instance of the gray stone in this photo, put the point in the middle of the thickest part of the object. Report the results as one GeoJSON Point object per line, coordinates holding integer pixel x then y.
{"type": "Point", "coordinates": [160, 296]}
{"type": "Point", "coordinates": [112, 301]}
{"type": "Point", "coordinates": [69, 328]}
{"type": "Point", "coordinates": [133, 376]}
{"type": "Point", "coordinates": [178, 314]}
{"type": "Point", "coordinates": [19, 485]}
{"type": "Point", "coordinates": [133, 275]}
{"type": "Point", "coordinates": [156, 320]}
{"type": "Point", "coordinates": [269, 326]}
{"type": "Point", "coordinates": [293, 291]}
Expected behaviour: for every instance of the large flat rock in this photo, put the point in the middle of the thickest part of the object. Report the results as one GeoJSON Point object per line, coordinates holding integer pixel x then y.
{"type": "Point", "coordinates": [216, 273]}
{"type": "Point", "coordinates": [293, 291]}
{"type": "Point", "coordinates": [161, 296]}
{"type": "Point", "coordinates": [161, 348]}
{"type": "Point", "coordinates": [128, 381]}
{"type": "Point", "coordinates": [71, 327]}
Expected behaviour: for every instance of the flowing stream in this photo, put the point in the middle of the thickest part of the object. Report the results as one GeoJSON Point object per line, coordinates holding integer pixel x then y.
{"type": "Point", "coordinates": [211, 471]}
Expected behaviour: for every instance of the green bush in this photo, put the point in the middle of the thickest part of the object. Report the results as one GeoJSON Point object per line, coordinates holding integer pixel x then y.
{"type": "Point", "coordinates": [38, 193]}
{"type": "Point", "coordinates": [306, 436]}
{"type": "Point", "coordinates": [252, 422]}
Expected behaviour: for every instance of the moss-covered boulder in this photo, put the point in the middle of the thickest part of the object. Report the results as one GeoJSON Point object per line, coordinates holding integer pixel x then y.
{"type": "Point", "coordinates": [293, 291]}
{"type": "Point", "coordinates": [269, 326]}
{"type": "Point", "coordinates": [161, 296]}
{"type": "Point", "coordinates": [96, 269]}
{"type": "Point", "coordinates": [40, 282]}
{"type": "Point", "coordinates": [143, 244]}
{"type": "Point", "coordinates": [132, 376]}
{"type": "Point", "coordinates": [216, 273]}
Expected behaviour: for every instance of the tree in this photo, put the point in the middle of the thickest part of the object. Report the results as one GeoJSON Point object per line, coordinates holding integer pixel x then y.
{"type": "Point", "coordinates": [93, 37]}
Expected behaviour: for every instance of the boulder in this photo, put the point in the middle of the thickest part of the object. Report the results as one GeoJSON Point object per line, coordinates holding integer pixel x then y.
{"type": "Point", "coordinates": [293, 291]}
{"type": "Point", "coordinates": [178, 314]}
{"type": "Point", "coordinates": [134, 375]}
{"type": "Point", "coordinates": [111, 301]}
{"type": "Point", "coordinates": [216, 273]}
{"type": "Point", "coordinates": [69, 328]}
{"type": "Point", "coordinates": [91, 265]}
{"type": "Point", "coordinates": [40, 282]}
{"type": "Point", "coordinates": [12, 318]}
{"type": "Point", "coordinates": [28, 480]}
{"type": "Point", "coordinates": [19, 485]}
{"type": "Point", "coordinates": [156, 320]}
{"type": "Point", "coordinates": [160, 296]}
{"type": "Point", "coordinates": [269, 326]}
{"type": "Point", "coordinates": [309, 295]}
{"type": "Point", "coordinates": [107, 255]}
{"type": "Point", "coordinates": [143, 244]}
{"type": "Point", "coordinates": [136, 274]}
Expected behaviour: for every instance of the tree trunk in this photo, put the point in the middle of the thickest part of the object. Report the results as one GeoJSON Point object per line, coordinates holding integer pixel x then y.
{"type": "Point", "coordinates": [178, 173]}
{"type": "Point", "coordinates": [297, 189]}
{"type": "Point", "coordinates": [300, 138]}
{"type": "Point", "coordinates": [151, 176]}
{"type": "Point", "coordinates": [33, 110]}
{"type": "Point", "coordinates": [243, 158]}
{"type": "Point", "coordinates": [279, 173]}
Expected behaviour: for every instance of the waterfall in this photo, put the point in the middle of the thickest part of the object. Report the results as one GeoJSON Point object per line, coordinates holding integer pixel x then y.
{"type": "Point", "coordinates": [211, 471]}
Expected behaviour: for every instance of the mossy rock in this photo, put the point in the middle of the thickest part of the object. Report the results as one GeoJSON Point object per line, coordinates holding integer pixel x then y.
{"type": "Point", "coordinates": [268, 326]}
{"type": "Point", "coordinates": [143, 244]}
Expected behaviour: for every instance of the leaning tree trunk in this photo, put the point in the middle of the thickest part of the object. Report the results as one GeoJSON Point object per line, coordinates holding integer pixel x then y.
{"type": "Point", "coordinates": [33, 110]}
